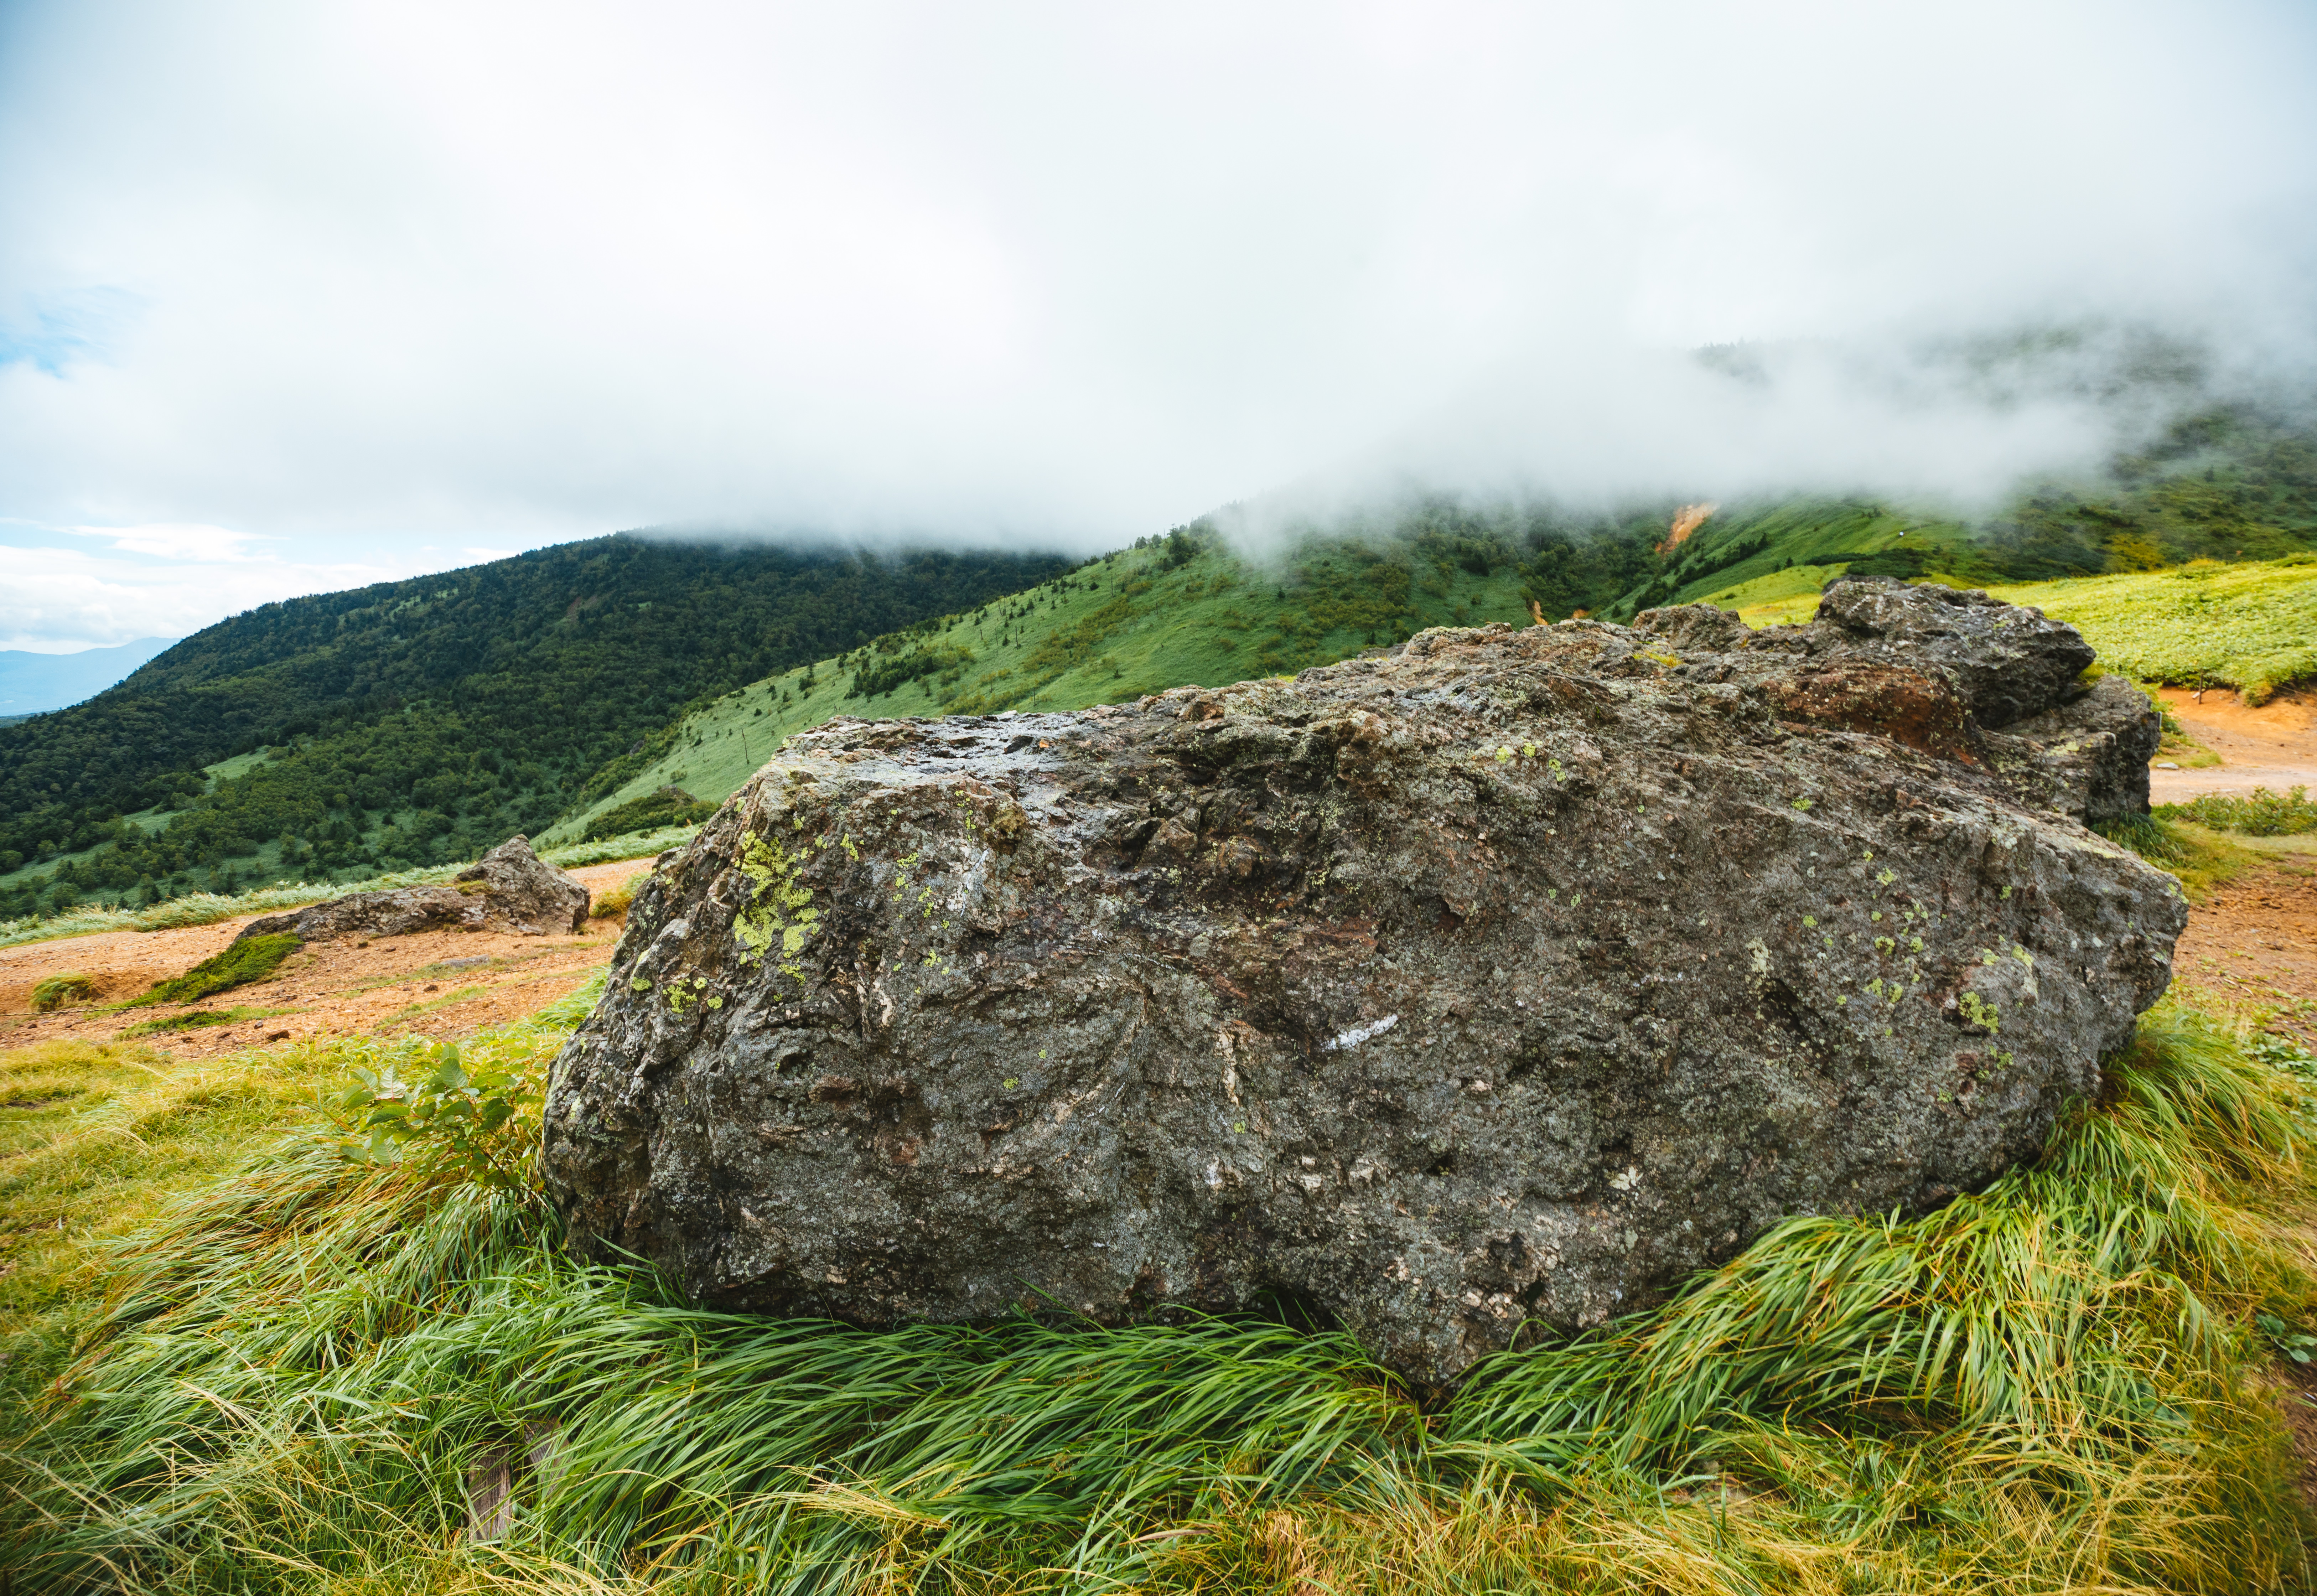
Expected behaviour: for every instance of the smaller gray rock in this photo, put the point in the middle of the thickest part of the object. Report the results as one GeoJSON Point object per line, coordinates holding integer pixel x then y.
{"type": "Point", "coordinates": [1939, 672]}
{"type": "Point", "coordinates": [509, 887]}
{"type": "Point", "coordinates": [526, 892]}
{"type": "Point", "coordinates": [397, 914]}
{"type": "Point", "coordinates": [2006, 661]}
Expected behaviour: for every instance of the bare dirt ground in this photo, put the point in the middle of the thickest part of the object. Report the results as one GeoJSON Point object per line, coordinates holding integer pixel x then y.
{"type": "Point", "coordinates": [2251, 947]}
{"type": "Point", "coordinates": [2273, 745]}
{"type": "Point", "coordinates": [436, 981]}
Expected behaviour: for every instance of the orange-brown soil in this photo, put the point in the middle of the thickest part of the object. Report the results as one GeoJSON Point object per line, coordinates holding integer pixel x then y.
{"type": "Point", "coordinates": [2253, 946]}
{"type": "Point", "coordinates": [434, 981]}
{"type": "Point", "coordinates": [2273, 744]}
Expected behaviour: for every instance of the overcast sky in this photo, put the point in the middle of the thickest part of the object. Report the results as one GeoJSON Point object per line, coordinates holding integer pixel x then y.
{"type": "Point", "coordinates": [298, 296]}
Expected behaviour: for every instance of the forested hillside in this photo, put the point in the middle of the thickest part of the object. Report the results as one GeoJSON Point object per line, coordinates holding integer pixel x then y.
{"type": "Point", "coordinates": [414, 722]}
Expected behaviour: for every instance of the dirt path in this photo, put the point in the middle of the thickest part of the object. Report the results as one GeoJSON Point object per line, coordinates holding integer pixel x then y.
{"type": "Point", "coordinates": [2274, 746]}
{"type": "Point", "coordinates": [446, 981]}
{"type": "Point", "coordinates": [2251, 946]}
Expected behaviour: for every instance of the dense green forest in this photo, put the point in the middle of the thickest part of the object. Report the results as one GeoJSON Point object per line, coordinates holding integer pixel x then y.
{"type": "Point", "coordinates": [416, 722]}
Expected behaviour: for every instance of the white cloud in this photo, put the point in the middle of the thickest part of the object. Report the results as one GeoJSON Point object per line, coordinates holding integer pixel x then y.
{"type": "Point", "coordinates": [205, 543]}
{"type": "Point", "coordinates": [64, 598]}
{"type": "Point", "coordinates": [336, 276]}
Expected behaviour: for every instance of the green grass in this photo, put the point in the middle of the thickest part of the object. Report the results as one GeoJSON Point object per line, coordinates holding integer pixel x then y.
{"type": "Point", "coordinates": [283, 1381]}
{"type": "Point", "coordinates": [252, 959]}
{"type": "Point", "coordinates": [53, 993]}
{"type": "Point", "coordinates": [2262, 813]}
{"type": "Point", "coordinates": [2251, 626]}
{"type": "Point", "coordinates": [2201, 858]}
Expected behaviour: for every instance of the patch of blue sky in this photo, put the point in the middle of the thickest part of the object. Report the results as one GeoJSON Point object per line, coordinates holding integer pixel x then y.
{"type": "Point", "coordinates": [53, 331]}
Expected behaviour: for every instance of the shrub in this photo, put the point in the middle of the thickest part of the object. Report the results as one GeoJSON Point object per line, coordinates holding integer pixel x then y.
{"type": "Point", "coordinates": [450, 1119]}
{"type": "Point", "coordinates": [614, 900]}
{"type": "Point", "coordinates": [253, 959]}
{"type": "Point", "coordinates": [56, 990]}
{"type": "Point", "coordinates": [2263, 814]}
{"type": "Point", "coordinates": [669, 806]}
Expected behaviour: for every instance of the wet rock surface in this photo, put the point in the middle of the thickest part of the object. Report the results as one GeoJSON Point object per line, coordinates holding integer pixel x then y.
{"type": "Point", "coordinates": [1516, 975]}
{"type": "Point", "coordinates": [509, 888]}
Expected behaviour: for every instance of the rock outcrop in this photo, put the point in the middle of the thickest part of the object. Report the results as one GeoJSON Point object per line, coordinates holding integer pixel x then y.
{"type": "Point", "coordinates": [1515, 976]}
{"type": "Point", "coordinates": [510, 888]}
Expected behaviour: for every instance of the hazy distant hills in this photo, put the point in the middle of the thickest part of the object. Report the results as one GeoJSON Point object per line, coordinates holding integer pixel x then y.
{"type": "Point", "coordinates": [412, 721]}
{"type": "Point", "coordinates": [30, 683]}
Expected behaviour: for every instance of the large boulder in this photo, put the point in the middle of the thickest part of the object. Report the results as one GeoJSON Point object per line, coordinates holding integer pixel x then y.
{"type": "Point", "coordinates": [509, 888]}
{"type": "Point", "coordinates": [1516, 975]}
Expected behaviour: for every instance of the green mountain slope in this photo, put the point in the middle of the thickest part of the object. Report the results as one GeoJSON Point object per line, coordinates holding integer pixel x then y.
{"type": "Point", "coordinates": [1174, 610]}
{"type": "Point", "coordinates": [1189, 608]}
{"type": "Point", "coordinates": [411, 722]}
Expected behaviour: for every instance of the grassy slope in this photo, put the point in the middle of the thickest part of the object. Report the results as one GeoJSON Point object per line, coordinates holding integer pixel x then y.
{"type": "Point", "coordinates": [1809, 532]}
{"type": "Point", "coordinates": [1214, 620]}
{"type": "Point", "coordinates": [2252, 626]}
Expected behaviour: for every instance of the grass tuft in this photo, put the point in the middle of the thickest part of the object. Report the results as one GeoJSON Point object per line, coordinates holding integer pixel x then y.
{"type": "Point", "coordinates": [55, 992]}
{"type": "Point", "coordinates": [251, 959]}
{"type": "Point", "coordinates": [613, 902]}
{"type": "Point", "coordinates": [2199, 859]}
{"type": "Point", "coordinates": [198, 1019]}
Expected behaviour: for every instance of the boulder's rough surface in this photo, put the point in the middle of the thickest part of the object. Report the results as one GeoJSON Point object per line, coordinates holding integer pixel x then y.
{"type": "Point", "coordinates": [509, 887]}
{"type": "Point", "coordinates": [1517, 974]}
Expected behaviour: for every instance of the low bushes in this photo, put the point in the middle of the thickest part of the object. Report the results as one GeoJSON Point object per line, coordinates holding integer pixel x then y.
{"type": "Point", "coordinates": [667, 806]}
{"type": "Point", "coordinates": [2262, 814]}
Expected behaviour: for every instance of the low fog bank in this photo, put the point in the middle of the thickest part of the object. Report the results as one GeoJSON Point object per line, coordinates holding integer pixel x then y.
{"type": "Point", "coordinates": [1955, 425]}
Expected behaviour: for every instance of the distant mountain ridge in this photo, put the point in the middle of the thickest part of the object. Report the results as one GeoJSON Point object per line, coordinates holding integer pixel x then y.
{"type": "Point", "coordinates": [415, 722]}
{"type": "Point", "coordinates": [32, 683]}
